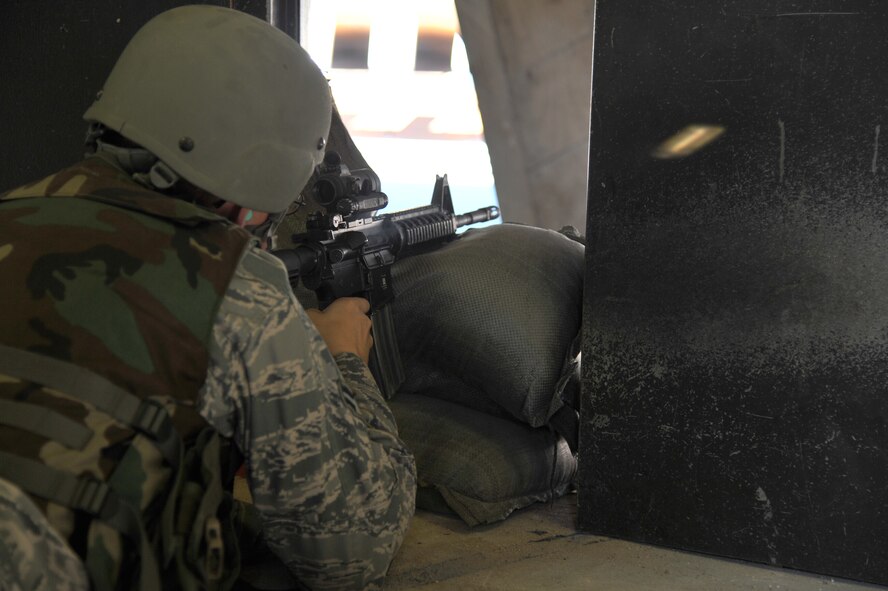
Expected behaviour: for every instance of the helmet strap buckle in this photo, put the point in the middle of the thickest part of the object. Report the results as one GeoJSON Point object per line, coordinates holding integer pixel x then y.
{"type": "Point", "coordinates": [161, 176]}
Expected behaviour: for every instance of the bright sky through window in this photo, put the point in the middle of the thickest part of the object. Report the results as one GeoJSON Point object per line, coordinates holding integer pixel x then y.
{"type": "Point", "coordinates": [401, 80]}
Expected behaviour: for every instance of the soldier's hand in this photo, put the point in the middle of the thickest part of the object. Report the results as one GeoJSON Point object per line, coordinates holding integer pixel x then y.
{"type": "Point", "coordinates": [345, 326]}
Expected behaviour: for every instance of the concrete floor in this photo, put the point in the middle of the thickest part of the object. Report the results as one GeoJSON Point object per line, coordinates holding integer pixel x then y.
{"type": "Point", "coordinates": [538, 548]}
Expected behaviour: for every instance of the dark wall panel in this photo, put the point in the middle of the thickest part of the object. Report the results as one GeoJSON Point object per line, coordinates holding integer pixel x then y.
{"type": "Point", "coordinates": [54, 57]}
{"type": "Point", "coordinates": [736, 313]}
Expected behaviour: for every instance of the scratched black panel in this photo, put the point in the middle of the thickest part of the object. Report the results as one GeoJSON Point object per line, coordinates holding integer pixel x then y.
{"type": "Point", "coordinates": [54, 57]}
{"type": "Point", "coordinates": [736, 313]}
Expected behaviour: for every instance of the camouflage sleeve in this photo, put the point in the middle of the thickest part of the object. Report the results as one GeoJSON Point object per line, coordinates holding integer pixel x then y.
{"type": "Point", "coordinates": [32, 554]}
{"type": "Point", "coordinates": [372, 407]}
{"type": "Point", "coordinates": [333, 482]}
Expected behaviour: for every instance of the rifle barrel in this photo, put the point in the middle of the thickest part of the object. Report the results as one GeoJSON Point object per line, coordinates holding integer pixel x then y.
{"type": "Point", "coordinates": [479, 215]}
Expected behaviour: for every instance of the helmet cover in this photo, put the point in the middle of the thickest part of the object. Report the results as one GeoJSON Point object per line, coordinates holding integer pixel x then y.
{"type": "Point", "coordinates": [230, 103]}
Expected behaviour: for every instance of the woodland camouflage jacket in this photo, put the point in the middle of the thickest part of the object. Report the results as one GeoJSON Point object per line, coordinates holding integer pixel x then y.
{"type": "Point", "coordinates": [333, 483]}
{"type": "Point", "coordinates": [102, 274]}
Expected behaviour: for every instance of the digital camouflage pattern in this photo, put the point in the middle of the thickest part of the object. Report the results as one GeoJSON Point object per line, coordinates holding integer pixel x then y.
{"type": "Point", "coordinates": [33, 557]}
{"type": "Point", "coordinates": [100, 272]}
{"type": "Point", "coordinates": [333, 482]}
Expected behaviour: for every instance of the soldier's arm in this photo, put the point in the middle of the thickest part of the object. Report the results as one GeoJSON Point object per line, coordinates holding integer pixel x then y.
{"type": "Point", "coordinates": [345, 327]}
{"type": "Point", "coordinates": [371, 404]}
{"type": "Point", "coordinates": [333, 482]}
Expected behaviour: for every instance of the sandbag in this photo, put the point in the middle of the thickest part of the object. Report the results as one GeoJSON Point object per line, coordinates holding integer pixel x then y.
{"type": "Point", "coordinates": [480, 467]}
{"type": "Point", "coordinates": [495, 312]}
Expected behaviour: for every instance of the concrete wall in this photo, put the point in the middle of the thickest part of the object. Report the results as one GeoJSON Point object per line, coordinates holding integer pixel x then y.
{"type": "Point", "coordinates": [532, 65]}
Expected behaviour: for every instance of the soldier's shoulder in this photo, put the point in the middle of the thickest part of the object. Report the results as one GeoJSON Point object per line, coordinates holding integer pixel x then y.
{"type": "Point", "coordinates": [82, 177]}
{"type": "Point", "coordinates": [258, 295]}
{"type": "Point", "coordinates": [264, 266]}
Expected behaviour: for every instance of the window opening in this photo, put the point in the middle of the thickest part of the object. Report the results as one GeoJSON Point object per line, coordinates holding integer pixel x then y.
{"type": "Point", "coordinates": [401, 80]}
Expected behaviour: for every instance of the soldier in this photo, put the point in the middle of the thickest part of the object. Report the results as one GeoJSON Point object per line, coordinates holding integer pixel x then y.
{"type": "Point", "coordinates": [146, 330]}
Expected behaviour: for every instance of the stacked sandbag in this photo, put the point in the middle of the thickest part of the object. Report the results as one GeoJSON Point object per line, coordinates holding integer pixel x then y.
{"type": "Point", "coordinates": [478, 466]}
{"type": "Point", "coordinates": [488, 330]}
{"type": "Point", "coordinates": [496, 311]}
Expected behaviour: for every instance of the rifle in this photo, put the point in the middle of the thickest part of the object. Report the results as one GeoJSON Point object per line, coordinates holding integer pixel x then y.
{"type": "Point", "coordinates": [348, 251]}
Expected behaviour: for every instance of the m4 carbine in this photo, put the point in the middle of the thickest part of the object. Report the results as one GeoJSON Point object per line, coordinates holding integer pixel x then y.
{"type": "Point", "coordinates": [348, 251]}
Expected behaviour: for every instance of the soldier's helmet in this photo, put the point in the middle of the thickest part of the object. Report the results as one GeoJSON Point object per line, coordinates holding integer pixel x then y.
{"type": "Point", "coordinates": [230, 103]}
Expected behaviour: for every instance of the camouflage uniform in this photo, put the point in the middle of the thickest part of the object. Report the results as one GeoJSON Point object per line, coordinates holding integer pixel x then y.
{"type": "Point", "coordinates": [32, 555]}
{"type": "Point", "coordinates": [327, 471]}
{"type": "Point", "coordinates": [333, 483]}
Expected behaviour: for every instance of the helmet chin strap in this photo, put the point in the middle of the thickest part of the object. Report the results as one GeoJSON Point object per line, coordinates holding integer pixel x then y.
{"type": "Point", "coordinates": [160, 176]}
{"type": "Point", "coordinates": [151, 172]}
{"type": "Point", "coordinates": [145, 168]}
